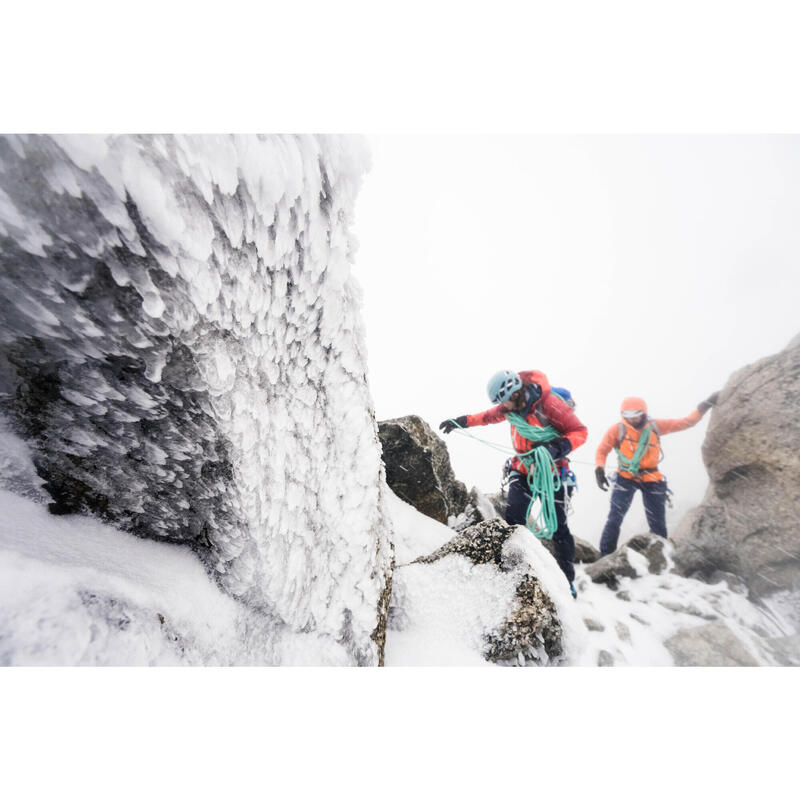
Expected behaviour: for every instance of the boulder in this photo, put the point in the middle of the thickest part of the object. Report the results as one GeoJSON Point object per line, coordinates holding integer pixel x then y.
{"type": "Point", "coordinates": [585, 553]}
{"type": "Point", "coordinates": [652, 547]}
{"type": "Point", "coordinates": [532, 631]}
{"type": "Point", "coordinates": [748, 523]}
{"type": "Point", "coordinates": [785, 649]}
{"type": "Point", "coordinates": [418, 471]}
{"type": "Point", "coordinates": [609, 569]}
{"type": "Point", "coordinates": [712, 645]}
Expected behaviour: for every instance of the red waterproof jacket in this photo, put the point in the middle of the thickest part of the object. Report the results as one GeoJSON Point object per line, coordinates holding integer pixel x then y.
{"type": "Point", "coordinates": [548, 409]}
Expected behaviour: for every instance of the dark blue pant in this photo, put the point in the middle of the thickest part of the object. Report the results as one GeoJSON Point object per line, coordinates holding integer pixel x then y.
{"type": "Point", "coordinates": [654, 496]}
{"type": "Point", "coordinates": [519, 497]}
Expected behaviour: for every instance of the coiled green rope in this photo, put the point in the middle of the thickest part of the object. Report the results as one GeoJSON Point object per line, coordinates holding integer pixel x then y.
{"type": "Point", "coordinates": [544, 480]}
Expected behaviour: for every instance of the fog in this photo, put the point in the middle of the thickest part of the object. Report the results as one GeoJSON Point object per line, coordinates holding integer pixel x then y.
{"type": "Point", "coordinates": [618, 265]}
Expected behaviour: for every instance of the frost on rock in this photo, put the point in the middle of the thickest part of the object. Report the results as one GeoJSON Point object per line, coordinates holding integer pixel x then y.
{"type": "Point", "coordinates": [181, 344]}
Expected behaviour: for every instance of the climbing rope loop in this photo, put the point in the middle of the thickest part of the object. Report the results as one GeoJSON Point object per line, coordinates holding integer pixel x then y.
{"type": "Point", "coordinates": [544, 479]}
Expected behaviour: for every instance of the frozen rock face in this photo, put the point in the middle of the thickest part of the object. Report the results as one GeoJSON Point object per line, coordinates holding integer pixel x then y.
{"type": "Point", "coordinates": [180, 342]}
{"type": "Point", "coordinates": [418, 471]}
{"type": "Point", "coordinates": [749, 521]}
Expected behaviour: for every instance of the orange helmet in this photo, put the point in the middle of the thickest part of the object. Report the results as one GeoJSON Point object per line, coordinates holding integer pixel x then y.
{"type": "Point", "coordinates": [633, 404]}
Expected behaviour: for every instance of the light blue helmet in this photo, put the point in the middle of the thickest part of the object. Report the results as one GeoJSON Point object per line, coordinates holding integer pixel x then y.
{"type": "Point", "coordinates": [502, 385]}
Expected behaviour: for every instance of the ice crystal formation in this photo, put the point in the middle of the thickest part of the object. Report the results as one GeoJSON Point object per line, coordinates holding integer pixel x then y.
{"type": "Point", "coordinates": [180, 343]}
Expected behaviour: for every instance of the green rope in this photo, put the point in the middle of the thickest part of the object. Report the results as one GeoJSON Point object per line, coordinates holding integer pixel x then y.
{"type": "Point", "coordinates": [632, 464]}
{"type": "Point", "coordinates": [544, 480]}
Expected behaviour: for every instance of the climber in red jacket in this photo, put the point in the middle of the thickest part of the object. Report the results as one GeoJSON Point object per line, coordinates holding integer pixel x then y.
{"type": "Point", "coordinates": [529, 395]}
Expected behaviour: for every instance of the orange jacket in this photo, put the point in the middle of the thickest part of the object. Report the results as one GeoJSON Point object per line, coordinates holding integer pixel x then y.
{"type": "Point", "coordinates": [549, 406]}
{"type": "Point", "coordinates": [648, 466]}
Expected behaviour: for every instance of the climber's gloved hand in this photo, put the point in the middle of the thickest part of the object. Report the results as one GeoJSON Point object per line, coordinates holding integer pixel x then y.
{"type": "Point", "coordinates": [600, 476]}
{"type": "Point", "coordinates": [450, 424]}
{"type": "Point", "coordinates": [710, 401]}
{"type": "Point", "coordinates": [558, 448]}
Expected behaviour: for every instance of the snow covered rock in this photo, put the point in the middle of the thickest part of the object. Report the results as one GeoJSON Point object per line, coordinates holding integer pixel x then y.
{"type": "Point", "coordinates": [611, 568]}
{"type": "Point", "coordinates": [489, 594]}
{"type": "Point", "coordinates": [181, 344]}
{"type": "Point", "coordinates": [531, 632]}
{"type": "Point", "coordinates": [621, 564]}
{"type": "Point", "coordinates": [749, 520]}
{"type": "Point", "coordinates": [653, 548]}
{"type": "Point", "coordinates": [711, 645]}
{"type": "Point", "coordinates": [418, 471]}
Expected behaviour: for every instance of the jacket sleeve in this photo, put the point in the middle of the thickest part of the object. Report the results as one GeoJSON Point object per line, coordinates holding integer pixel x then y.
{"type": "Point", "coordinates": [564, 420]}
{"type": "Point", "coordinates": [608, 443]}
{"type": "Point", "coordinates": [675, 425]}
{"type": "Point", "coordinates": [490, 417]}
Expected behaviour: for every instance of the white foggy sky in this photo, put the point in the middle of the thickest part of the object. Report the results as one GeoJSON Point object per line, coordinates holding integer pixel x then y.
{"type": "Point", "coordinates": [618, 265]}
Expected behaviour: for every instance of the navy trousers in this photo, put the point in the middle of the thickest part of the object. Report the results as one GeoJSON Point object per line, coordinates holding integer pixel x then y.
{"type": "Point", "coordinates": [654, 496]}
{"type": "Point", "coordinates": [519, 497]}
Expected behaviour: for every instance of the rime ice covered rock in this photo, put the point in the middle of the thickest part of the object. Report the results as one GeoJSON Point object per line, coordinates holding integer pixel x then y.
{"type": "Point", "coordinates": [181, 343]}
{"type": "Point", "coordinates": [418, 471]}
{"type": "Point", "coordinates": [749, 521]}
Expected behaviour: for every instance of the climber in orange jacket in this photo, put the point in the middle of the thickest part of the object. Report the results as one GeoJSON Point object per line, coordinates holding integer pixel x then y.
{"type": "Point", "coordinates": [529, 394]}
{"type": "Point", "coordinates": [637, 440]}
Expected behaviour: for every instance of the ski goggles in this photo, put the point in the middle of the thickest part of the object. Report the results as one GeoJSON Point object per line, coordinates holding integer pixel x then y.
{"type": "Point", "coordinates": [632, 414]}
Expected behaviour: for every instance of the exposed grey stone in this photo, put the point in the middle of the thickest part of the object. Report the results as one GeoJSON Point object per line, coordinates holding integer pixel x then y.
{"type": "Point", "coordinates": [785, 649]}
{"type": "Point", "coordinates": [623, 631]}
{"type": "Point", "coordinates": [593, 624]}
{"type": "Point", "coordinates": [611, 568]}
{"type": "Point", "coordinates": [711, 645]}
{"type": "Point", "coordinates": [749, 519]}
{"type": "Point", "coordinates": [585, 553]}
{"type": "Point", "coordinates": [626, 596]}
{"type": "Point", "coordinates": [652, 548]}
{"type": "Point", "coordinates": [418, 471]}
{"type": "Point", "coordinates": [605, 659]}
{"type": "Point", "coordinates": [498, 501]}
{"type": "Point", "coordinates": [639, 619]}
{"type": "Point", "coordinates": [680, 608]}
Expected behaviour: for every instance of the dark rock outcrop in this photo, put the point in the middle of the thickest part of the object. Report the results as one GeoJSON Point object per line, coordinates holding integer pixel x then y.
{"type": "Point", "coordinates": [749, 520]}
{"type": "Point", "coordinates": [611, 568]}
{"type": "Point", "coordinates": [585, 553]}
{"type": "Point", "coordinates": [653, 548]}
{"type": "Point", "coordinates": [418, 471]}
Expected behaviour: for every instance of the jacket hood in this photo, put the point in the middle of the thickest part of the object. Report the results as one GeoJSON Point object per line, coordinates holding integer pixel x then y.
{"type": "Point", "coordinates": [633, 404]}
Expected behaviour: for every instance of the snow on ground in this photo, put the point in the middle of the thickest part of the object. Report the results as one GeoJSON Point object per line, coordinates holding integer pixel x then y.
{"type": "Point", "coordinates": [442, 610]}
{"type": "Point", "coordinates": [634, 630]}
{"type": "Point", "coordinates": [76, 591]}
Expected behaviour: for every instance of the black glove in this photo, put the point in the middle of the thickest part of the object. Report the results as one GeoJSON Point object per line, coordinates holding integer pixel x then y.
{"type": "Point", "coordinates": [449, 424]}
{"type": "Point", "coordinates": [600, 476]}
{"type": "Point", "coordinates": [710, 401]}
{"type": "Point", "coordinates": [558, 448]}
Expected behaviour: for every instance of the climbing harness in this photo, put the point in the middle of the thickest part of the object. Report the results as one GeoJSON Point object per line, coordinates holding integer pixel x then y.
{"type": "Point", "coordinates": [632, 464]}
